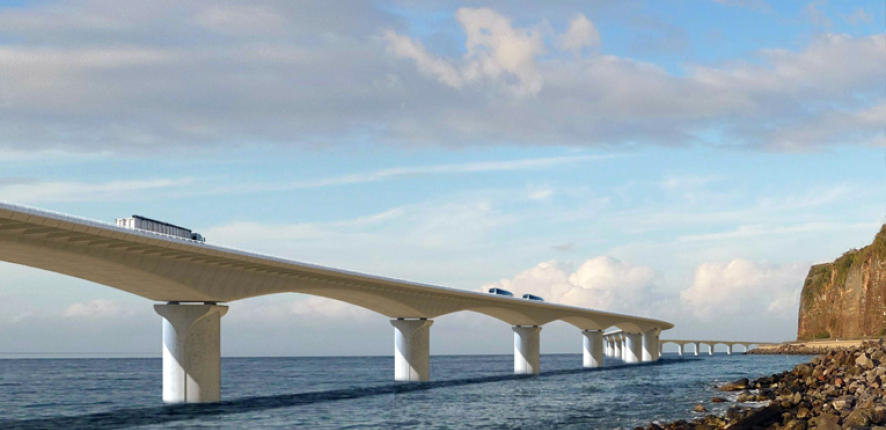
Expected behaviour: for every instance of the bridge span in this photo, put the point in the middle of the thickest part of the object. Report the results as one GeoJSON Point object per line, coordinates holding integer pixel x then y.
{"type": "Point", "coordinates": [190, 279]}
{"type": "Point", "coordinates": [730, 345]}
{"type": "Point", "coordinates": [626, 346]}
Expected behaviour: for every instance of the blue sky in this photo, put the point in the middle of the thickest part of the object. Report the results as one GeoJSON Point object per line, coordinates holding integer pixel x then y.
{"type": "Point", "coordinates": [684, 160]}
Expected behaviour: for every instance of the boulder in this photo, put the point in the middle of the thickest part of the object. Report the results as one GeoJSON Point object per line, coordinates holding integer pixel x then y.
{"type": "Point", "coordinates": [859, 418]}
{"type": "Point", "coordinates": [741, 384]}
{"type": "Point", "coordinates": [864, 361]}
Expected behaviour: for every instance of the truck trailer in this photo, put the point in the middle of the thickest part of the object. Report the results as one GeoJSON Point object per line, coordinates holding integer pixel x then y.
{"type": "Point", "coordinates": [139, 222]}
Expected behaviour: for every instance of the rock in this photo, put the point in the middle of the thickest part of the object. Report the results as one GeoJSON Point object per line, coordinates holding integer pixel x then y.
{"type": "Point", "coordinates": [760, 418]}
{"type": "Point", "coordinates": [802, 370]}
{"type": "Point", "coordinates": [859, 417]}
{"type": "Point", "coordinates": [699, 408]}
{"type": "Point", "coordinates": [843, 402]}
{"type": "Point", "coordinates": [718, 400]}
{"type": "Point", "coordinates": [741, 384]}
{"type": "Point", "coordinates": [825, 422]}
{"type": "Point", "coordinates": [864, 361]}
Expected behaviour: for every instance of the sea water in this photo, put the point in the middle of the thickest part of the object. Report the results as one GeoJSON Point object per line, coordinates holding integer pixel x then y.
{"type": "Point", "coordinates": [467, 392]}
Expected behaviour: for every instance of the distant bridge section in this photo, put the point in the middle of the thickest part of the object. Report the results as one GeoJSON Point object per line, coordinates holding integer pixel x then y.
{"type": "Point", "coordinates": [190, 278]}
{"type": "Point", "coordinates": [627, 346]}
{"type": "Point", "coordinates": [730, 345]}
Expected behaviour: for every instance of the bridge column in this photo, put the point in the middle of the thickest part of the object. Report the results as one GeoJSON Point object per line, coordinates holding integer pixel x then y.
{"type": "Point", "coordinates": [697, 348]}
{"type": "Point", "coordinates": [527, 349]}
{"type": "Point", "coordinates": [616, 347]}
{"type": "Point", "coordinates": [729, 349]}
{"type": "Point", "coordinates": [191, 352]}
{"type": "Point", "coordinates": [651, 348]}
{"type": "Point", "coordinates": [633, 347]}
{"type": "Point", "coordinates": [711, 349]}
{"type": "Point", "coordinates": [593, 348]}
{"type": "Point", "coordinates": [682, 347]}
{"type": "Point", "coordinates": [412, 349]}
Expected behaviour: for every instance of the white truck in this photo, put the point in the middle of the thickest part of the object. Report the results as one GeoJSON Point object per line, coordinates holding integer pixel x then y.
{"type": "Point", "coordinates": [139, 222]}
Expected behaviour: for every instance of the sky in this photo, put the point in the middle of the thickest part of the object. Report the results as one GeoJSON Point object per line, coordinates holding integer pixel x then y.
{"type": "Point", "coordinates": [686, 161]}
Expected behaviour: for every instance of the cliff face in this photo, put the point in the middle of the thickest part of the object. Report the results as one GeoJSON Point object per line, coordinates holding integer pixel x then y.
{"type": "Point", "coordinates": [846, 298]}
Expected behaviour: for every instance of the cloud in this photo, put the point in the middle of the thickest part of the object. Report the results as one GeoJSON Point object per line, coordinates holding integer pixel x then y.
{"type": "Point", "coordinates": [98, 309]}
{"type": "Point", "coordinates": [495, 52]}
{"type": "Point", "coordinates": [443, 169]}
{"type": "Point", "coordinates": [742, 288]}
{"type": "Point", "coordinates": [600, 283]}
{"type": "Point", "coordinates": [753, 4]}
{"type": "Point", "coordinates": [858, 17]}
{"type": "Point", "coordinates": [541, 194]}
{"type": "Point", "coordinates": [815, 15]}
{"type": "Point", "coordinates": [40, 191]}
{"type": "Point", "coordinates": [581, 34]}
{"type": "Point", "coordinates": [100, 77]}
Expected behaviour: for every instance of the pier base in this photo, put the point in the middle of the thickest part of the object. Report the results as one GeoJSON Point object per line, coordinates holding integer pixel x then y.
{"type": "Point", "coordinates": [412, 349]}
{"type": "Point", "coordinates": [633, 351]}
{"type": "Point", "coordinates": [593, 348]}
{"type": "Point", "coordinates": [191, 352]}
{"type": "Point", "coordinates": [651, 348]}
{"type": "Point", "coordinates": [527, 349]}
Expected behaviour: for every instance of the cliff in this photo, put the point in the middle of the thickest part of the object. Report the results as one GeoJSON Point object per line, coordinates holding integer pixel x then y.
{"type": "Point", "coordinates": [846, 298]}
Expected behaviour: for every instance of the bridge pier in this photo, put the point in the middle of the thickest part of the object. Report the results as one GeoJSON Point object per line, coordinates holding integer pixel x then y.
{"type": "Point", "coordinates": [711, 349]}
{"type": "Point", "coordinates": [697, 349]}
{"type": "Point", "coordinates": [633, 351]}
{"type": "Point", "coordinates": [191, 352]}
{"type": "Point", "coordinates": [681, 348]}
{"type": "Point", "coordinates": [729, 349]}
{"type": "Point", "coordinates": [651, 348]}
{"type": "Point", "coordinates": [617, 347]}
{"type": "Point", "coordinates": [527, 349]}
{"type": "Point", "coordinates": [412, 349]}
{"type": "Point", "coordinates": [593, 348]}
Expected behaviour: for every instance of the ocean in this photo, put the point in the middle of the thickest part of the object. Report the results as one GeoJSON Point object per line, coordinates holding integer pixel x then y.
{"type": "Point", "coordinates": [467, 392]}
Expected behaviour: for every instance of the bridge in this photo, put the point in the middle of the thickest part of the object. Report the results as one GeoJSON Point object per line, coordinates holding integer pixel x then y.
{"type": "Point", "coordinates": [190, 279]}
{"type": "Point", "coordinates": [626, 346]}
{"type": "Point", "coordinates": [681, 345]}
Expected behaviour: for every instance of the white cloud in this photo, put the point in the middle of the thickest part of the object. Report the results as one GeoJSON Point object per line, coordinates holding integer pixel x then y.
{"type": "Point", "coordinates": [38, 191]}
{"type": "Point", "coordinates": [541, 194]}
{"type": "Point", "coordinates": [753, 4]}
{"type": "Point", "coordinates": [858, 17]}
{"type": "Point", "coordinates": [815, 15]}
{"type": "Point", "coordinates": [495, 51]}
{"type": "Point", "coordinates": [742, 288]}
{"type": "Point", "coordinates": [93, 76]}
{"type": "Point", "coordinates": [444, 169]}
{"type": "Point", "coordinates": [581, 34]}
{"type": "Point", "coordinates": [600, 283]}
{"type": "Point", "coordinates": [99, 308]}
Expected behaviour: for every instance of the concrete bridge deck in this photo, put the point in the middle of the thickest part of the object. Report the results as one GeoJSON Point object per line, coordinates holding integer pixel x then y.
{"type": "Point", "coordinates": [619, 344]}
{"type": "Point", "coordinates": [191, 278]}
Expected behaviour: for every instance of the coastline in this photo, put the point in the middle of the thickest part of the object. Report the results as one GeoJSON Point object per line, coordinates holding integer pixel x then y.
{"type": "Point", "coordinates": [844, 388]}
{"type": "Point", "coordinates": [813, 347]}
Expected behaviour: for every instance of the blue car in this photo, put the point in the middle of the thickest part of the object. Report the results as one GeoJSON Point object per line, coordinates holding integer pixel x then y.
{"type": "Point", "coordinates": [533, 297]}
{"type": "Point", "coordinates": [501, 292]}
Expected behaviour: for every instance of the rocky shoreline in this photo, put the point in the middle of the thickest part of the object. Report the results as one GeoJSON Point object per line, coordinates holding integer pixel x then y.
{"type": "Point", "coordinates": [839, 390]}
{"type": "Point", "coordinates": [803, 349]}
